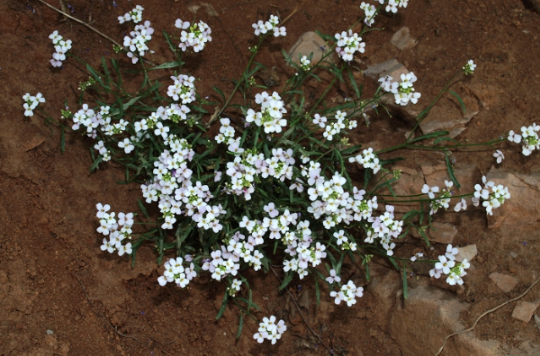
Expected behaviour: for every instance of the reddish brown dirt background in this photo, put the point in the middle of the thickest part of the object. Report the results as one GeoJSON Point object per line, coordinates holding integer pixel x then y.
{"type": "Point", "coordinates": [53, 276]}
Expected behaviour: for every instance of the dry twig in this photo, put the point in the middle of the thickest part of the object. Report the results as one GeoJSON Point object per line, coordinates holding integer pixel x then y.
{"type": "Point", "coordinates": [299, 312]}
{"type": "Point", "coordinates": [486, 313]}
{"type": "Point", "coordinates": [81, 22]}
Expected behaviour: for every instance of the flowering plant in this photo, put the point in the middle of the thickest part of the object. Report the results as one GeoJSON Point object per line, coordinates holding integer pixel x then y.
{"type": "Point", "coordinates": [272, 187]}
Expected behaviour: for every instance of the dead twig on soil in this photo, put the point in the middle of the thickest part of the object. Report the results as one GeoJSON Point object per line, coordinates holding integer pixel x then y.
{"type": "Point", "coordinates": [486, 313]}
{"type": "Point", "coordinates": [81, 22]}
{"type": "Point", "coordinates": [299, 312]}
{"type": "Point", "coordinates": [103, 316]}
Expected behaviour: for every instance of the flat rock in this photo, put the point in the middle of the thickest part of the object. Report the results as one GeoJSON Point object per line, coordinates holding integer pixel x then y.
{"type": "Point", "coordinates": [435, 313]}
{"type": "Point", "coordinates": [392, 68]}
{"type": "Point", "coordinates": [467, 252]}
{"type": "Point", "coordinates": [505, 282]}
{"type": "Point", "coordinates": [410, 183]}
{"type": "Point", "coordinates": [525, 310]}
{"type": "Point", "coordinates": [310, 42]}
{"type": "Point", "coordinates": [402, 39]}
{"type": "Point", "coordinates": [522, 207]}
{"type": "Point", "coordinates": [448, 115]}
{"type": "Point", "coordinates": [442, 232]}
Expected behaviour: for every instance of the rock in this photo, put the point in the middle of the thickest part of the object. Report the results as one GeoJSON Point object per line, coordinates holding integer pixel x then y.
{"type": "Point", "coordinates": [409, 183]}
{"type": "Point", "coordinates": [442, 232]}
{"type": "Point", "coordinates": [525, 310]}
{"type": "Point", "coordinates": [402, 39]}
{"type": "Point", "coordinates": [447, 114]}
{"type": "Point", "coordinates": [436, 173]}
{"type": "Point", "coordinates": [467, 252]}
{"type": "Point", "coordinates": [435, 313]}
{"type": "Point", "coordinates": [505, 282]}
{"type": "Point", "coordinates": [310, 42]}
{"type": "Point", "coordinates": [537, 321]}
{"type": "Point", "coordinates": [385, 289]}
{"type": "Point", "coordinates": [522, 207]}
{"type": "Point", "coordinates": [392, 68]}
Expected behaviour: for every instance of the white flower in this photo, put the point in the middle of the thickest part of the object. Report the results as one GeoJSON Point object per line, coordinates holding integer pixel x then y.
{"type": "Point", "coordinates": [430, 191]}
{"type": "Point", "coordinates": [499, 156]}
{"type": "Point", "coordinates": [469, 67]}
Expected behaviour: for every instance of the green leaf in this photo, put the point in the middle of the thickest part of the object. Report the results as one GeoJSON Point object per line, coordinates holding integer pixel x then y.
{"type": "Point", "coordinates": [463, 108]}
{"type": "Point", "coordinates": [143, 209]}
{"type": "Point", "coordinates": [444, 139]}
{"type": "Point", "coordinates": [129, 103]}
{"type": "Point", "coordinates": [351, 149]}
{"type": "Point", "coordinates": [63, 140]}
{"type": "Point", "coordinates": [423, 233]}
{"type": "Point", "coordinates": [166, 65]}
{"type": "Point", "coordinates": [217, 90]}
{"type": "Point", "coordinates": [405, 286]}
{"type": "Point", "coordinates": [96, 163]}
{"type": "Point", "coordinates": [353, 83]}
{"type": "Point", "coordinates": [451, 170]}
{"type": "Point", "coordinates": [97, 77]}
{"type": "Point", "coordinates": [288, 278]}
{"type": "Point", "coordinates": [223, 306]}
{"type": "Point", "coordinates": [430, 135]}
{"type": "Point", "coordinates": [240, 326]}
{"type": "Point", "coordinates": [168, 40]}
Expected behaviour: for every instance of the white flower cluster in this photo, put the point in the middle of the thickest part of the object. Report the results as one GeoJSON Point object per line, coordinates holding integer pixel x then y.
{"type": "Point", "coordinates": [448, 265]}
{"type": "Point", "coordinates": [226, 261]}
{"type": "Point", "coordinates": [264, 27]}
{"type": "Point", "coordinates": [469, 67]}
{"type": "Point", "coordinates": [31, 102]}
{"type": "Point", "coordinates": [270, 330]}
{"type": "Point", "coordinates": [493, 196]}
{"type": "Point", "coordinates": [183, 88]}
{"type": "Point", "coordinates": [305, 63]}
{"type": "Point", "coordinates": [443, 201]}
{"type": "Point", "coordinates": [248, 165]}
{"type": "Point", "coordinates": [197, 36]}
{"type": "Point", "coordinates": [403, 91]}
{"type": "Point", "coordinates": [367, 159]}
{"type": "Point", "coordinates": [334, 128]}
{"type": "Point", "coordinates": [177, 273]}
{"type": "Point", "coordinates": [134, 15]}
{"type": "Point", "coordinates": [392, 5]}
{"type": "Point", "coordinates": [118, 230]}
{"type": "Point", "coordinates": [528, 138]}
{"type": "Point", "coordinates": [348, 293]}
{"type": "Point", "coordinates": [271, 115]}
{"type": "Point", "coordinates": [369, 12]}
{"type": "Point", "coordinates": [137, 41]}
{"type": "Point", "coordinates": [235, 287]}
{"type": "Point", "coordinates": [348, 43]}
{"type": "Point", "coordinates": [61, 48]}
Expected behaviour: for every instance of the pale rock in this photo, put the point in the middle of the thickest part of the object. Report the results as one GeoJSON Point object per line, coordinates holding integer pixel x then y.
{"type": "Point", "coordinates": [447, 115]}
{"type": "Point", "coordinates": [310, 42]}
{"type": "Point", "coordinates": [467, 252]}
{"type": "Point", "coordinates": [522, 208]}
{"type": "Point", "coordinates": [505, 282]}
{"type": "Point", "coordinates": [442, 232]}
{"type": "Point", "coordinates": [392, 68]}
{"type": "Point", "coordinates": [436, 172]}
{"type": "Point", "coordinates": [537, 321]}
{"type": "Point", "coordinates": [525, 310]}
{"type": "Point", "coordinates": [436, 314]}
{"type": "Point", "coordinates": [410, 183]}
{"type": "Point", "coordinates": [402, 39]}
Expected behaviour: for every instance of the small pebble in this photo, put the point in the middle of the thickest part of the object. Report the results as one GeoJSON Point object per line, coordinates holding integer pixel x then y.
{"type": "Point", "coordinates": [50, 332]}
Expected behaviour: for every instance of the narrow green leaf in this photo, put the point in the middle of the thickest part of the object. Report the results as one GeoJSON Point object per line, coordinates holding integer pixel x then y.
{"type": "Point", "coordinates": [430, 135]}
{"type": "Point", "coordinates": [129, 103]}
{"type": "Point", "coordinates": [288, 278]}
{"type": "Point", "coordinates": [143, 209]}
{"type": "Point", "coordinates": [451, 170]}
{"type": "Point", "coordinates": [240, 326]}
{"type": "Point", "coordinates": [166, 65]}
{"type": "Point", "coordinates": [223, 306]}
{"type": "Point", "coordinates": [463, 108]}
{"type": "Point", "coordinates": [353, 83]}
{"type": "Point", "coordinates": [405, 285]}
{"type": "Point", "coordinates": [63, 140]}
{"type": "Point", "coordinates": [96, 163]}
